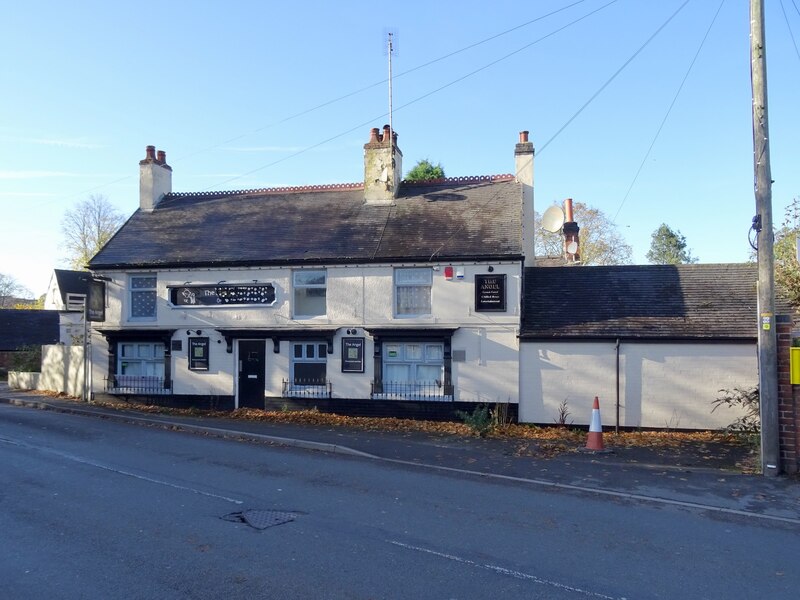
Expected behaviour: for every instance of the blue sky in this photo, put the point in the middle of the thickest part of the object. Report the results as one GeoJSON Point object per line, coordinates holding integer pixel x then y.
{"type": "Point", "coordinates": [220, 87]}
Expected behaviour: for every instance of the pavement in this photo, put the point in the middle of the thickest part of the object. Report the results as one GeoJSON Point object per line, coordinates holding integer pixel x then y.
{"type": "Point", "coordinates": [687, 477]}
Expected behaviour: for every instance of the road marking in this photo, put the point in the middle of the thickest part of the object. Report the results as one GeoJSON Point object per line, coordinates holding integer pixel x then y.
{"type": "Point", "coordinates": [97, 465]}
{"type": "Point", "coordinates": [504, 571]}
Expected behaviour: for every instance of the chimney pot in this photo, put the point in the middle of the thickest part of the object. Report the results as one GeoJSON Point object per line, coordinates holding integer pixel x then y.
{"type": "Point", "coordinates": [155, 179]}
{"type": "Point", "coordinates": [568, 211]}
{"type": "Point", "coordinates": [523, 137]}
{"type": "Point", "coordinates": [383, 168]}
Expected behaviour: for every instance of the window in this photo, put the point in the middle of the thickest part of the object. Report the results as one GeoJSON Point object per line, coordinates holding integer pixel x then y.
{"type": "Point", "coordinates": [143, 297]}
{"type": "Point", "coordinates": [140, 367]}
{"type": "Point", "coordinates": [413, 363]}
{"type": "Point", "coordinates": [309, 293]}
{"type": "Point", "coordinates": [309, 363]}
{"type": "Point", "coordinates": [412, 291]}
{"type": "Point", "coordinates": [75, 302]}
{"type": "Point", "coordinates": [309, 371]}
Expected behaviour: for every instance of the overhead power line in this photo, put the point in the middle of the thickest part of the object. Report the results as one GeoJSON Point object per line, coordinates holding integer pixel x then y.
{"type": "Point", "coordinates": [612, 78]}
{"type": "Point", "coordinates": [419, 98]}
{"type": "Point", "coordinates": [356, 92]}
{"type": "Point", "coordinates": [789, 27]}
{"type": "Point", "coordinates": [669, 110]}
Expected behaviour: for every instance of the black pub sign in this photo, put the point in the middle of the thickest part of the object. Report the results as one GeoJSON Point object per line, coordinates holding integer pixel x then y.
{"type": "Point", "coordinates": [353, 355]}
{"type": "Point", "coordinates": [96, 307]}
{"type": "Point", "coordinates": [223, 294]}
{"type": "Point", "coordinates": [490, 293]}
{"type": "Point", "coordinates": [198, 354]}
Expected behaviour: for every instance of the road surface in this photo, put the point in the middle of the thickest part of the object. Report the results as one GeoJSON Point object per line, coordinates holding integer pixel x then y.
{"type": "Point", "coordinates": [96, 509]}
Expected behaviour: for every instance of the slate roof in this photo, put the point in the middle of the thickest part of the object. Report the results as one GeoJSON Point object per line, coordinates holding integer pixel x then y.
{"type": "Point", "coordinates": [27, 328]}
{"type": "Point", "coordinates": [703, 301]}
{"type": "Point", "coordinates": [459, 218]}
{"type": "Point", "coordinates": [72, 282]}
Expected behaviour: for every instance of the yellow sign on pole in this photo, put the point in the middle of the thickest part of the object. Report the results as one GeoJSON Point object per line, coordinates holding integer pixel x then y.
{"type": "Point", "coordinates": [794, 365]}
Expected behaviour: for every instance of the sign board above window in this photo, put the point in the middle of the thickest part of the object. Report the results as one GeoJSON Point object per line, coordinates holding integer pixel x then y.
{"type": "Point", "coordinates": [223, 294]}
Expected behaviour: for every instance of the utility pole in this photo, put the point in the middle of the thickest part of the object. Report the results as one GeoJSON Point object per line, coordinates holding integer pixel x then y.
{"type": "Point", "coordinates": [767, 344]}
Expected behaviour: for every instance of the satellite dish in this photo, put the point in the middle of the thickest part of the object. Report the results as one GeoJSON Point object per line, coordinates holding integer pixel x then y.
{"type": "Point", "coordinates": [572, 247]}
{"type": "Point", "coordinates": [553, 219]}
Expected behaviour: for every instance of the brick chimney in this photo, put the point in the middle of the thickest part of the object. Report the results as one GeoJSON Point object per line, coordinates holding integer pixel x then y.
{"type": "Point", "coordinates": [155, 178]}
{"type": "Point", "coordinates": [383, 167]}
{"type": "Point", "coordinates": [523, 170]}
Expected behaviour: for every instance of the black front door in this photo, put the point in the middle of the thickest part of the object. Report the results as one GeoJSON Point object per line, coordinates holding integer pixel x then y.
{"type": "Point", "coordinates": [252, 364]}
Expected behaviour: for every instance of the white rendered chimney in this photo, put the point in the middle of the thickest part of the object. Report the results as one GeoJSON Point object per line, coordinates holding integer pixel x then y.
{"type": "Point", "coordinates": [155, 179]}
{"type": "Point", "coordinates": [383, 167]}
{"type": "Point", "coordinates": [523, 170]}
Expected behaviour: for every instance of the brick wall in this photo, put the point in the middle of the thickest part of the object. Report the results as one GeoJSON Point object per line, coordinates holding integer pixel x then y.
{"type": "Point", "coordinates": [788, 398]}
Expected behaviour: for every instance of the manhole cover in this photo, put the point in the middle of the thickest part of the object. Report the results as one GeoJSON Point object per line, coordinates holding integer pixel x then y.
{"type": "Point", "coordinates": [261, 519]}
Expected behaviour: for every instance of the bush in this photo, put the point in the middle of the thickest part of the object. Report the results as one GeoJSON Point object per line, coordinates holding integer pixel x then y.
{"type": "Point", "coordinates": [748, 426]}
{"type": "Point", "coordinates": [480, 420]}
{"type": "Point", "coordinates": [27, 359]}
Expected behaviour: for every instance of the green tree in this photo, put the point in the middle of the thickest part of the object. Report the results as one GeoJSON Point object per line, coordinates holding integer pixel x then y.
{"type": "Point", "coordinates": [600, 241]}
{"type": "Point", "coordinates": [87, 227]}
{"type": "Point", "coordinates": [424, 170]}
{"type": "Point", "coordinates": [787, 270]}
{"type": "Point", "coordinates": [668, 247]}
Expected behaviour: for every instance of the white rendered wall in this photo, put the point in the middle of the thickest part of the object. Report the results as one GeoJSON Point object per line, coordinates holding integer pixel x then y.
{"type": "Point", "coordinates": [62, 369]}
{"type": "Point", "coordinates": [666, 385]}
{"type": "Point", "coordinates": [359, 296]}
{"type": "Point", "coordinates": [491, 370]}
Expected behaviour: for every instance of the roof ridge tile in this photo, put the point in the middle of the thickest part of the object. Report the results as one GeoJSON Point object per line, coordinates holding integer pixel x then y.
{"type": "Point", "coordinates": [325, 187]}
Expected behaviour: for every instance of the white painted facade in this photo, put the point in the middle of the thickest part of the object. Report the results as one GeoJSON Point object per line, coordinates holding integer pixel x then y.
{"type": "Point", "coordinates": [61, 371]}
{"type": "Point", "coordinates": [70, 318]}
{"type": "Point", "coordinates": [359, 298]}
{"type": "Point", "coordinates": [661, 385]}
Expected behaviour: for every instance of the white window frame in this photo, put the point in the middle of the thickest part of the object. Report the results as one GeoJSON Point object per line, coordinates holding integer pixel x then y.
{"type": "Point", "coordinates": [139, 290]}
{"type": "Point", "coordinates": [309, 286]}
{"type": "Point", "coordinates": [152, 378]}
{"type": "Point", "coordinates": [320, 357]}
{"type": "Point", "coordinates": [430, 354]}
{"type": "Point", "coordinates": [75, 302]}
{"type": "Point", "coordinates": [408, 278]}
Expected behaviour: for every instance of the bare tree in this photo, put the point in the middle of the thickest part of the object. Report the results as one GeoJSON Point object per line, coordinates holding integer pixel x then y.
{"type": "Point", "coordinates": [87, 227]}
{"type": "Point", "coordinates": [11, 291]}
{"type": "Point", "coordinates": [600, 242]}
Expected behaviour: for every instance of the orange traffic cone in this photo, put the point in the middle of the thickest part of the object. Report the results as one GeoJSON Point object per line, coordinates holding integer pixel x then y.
{"type": "Point", "coordinates": [595, 439]}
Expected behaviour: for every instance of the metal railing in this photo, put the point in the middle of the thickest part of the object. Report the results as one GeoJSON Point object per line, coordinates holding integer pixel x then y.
{"type": "Point", "coordinates": [432, 391]}
{"type": "Point", "coordinates": [306, 388]}
{"type": "Point", "coordinates": [137, 384]}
